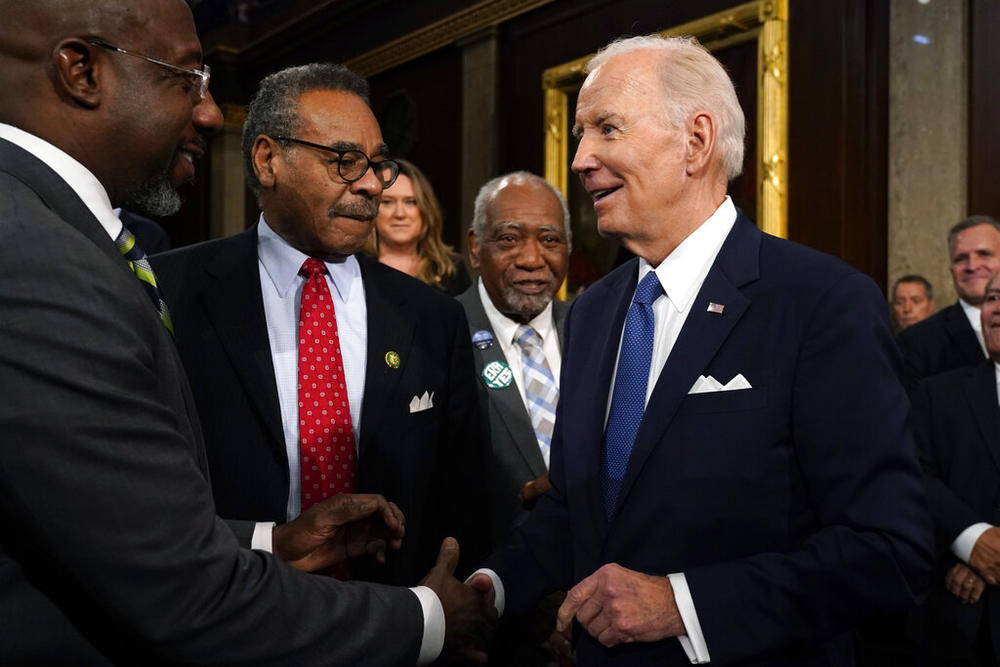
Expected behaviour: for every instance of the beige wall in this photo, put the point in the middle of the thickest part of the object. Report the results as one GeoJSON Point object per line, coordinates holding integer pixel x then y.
{"type": "Point", "coordinates": [928, 101]}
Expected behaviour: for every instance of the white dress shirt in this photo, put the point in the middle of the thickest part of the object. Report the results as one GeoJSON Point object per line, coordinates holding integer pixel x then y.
{"type": "Point", "coordinates": [80, 179]}
{"type": "Point", "coordinates": [681, 274]}
{"type": "Point", "coordinates": [974, 316]}
{"type": "Point", "coordinates": [966, 540]}
{"type": "Point", "coordinates": [505, 333]}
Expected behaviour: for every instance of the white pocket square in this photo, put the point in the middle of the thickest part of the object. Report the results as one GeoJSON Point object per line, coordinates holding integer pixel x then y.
{"type": "Point", "coordinates": [421, 403]}
{"type": "Point", "coordinates": [707, 384]}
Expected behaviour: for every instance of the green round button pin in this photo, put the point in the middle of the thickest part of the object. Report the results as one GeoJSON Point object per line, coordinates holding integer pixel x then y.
{"type": "Point", "coordinates": [497, 375]}
{"type": "Point", "coordinates": [392, 359]}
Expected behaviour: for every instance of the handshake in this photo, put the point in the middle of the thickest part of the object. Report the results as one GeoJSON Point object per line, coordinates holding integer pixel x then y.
{"type": "Point", "coordinates": [351, 525]}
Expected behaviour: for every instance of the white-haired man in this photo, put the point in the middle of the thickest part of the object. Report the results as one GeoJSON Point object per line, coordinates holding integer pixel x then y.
{"type": "Point", "coordinates": [731, 463]}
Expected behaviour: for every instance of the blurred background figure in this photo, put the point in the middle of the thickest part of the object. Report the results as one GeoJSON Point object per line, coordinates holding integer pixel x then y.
{"type": "Point", "coordinates": [912, 300]}
{"type": "Point", "coordinates": [407, 234]}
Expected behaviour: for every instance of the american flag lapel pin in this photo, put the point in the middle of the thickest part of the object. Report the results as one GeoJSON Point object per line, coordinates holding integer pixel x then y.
{"type": "Point", "coordinates": [716, 308]}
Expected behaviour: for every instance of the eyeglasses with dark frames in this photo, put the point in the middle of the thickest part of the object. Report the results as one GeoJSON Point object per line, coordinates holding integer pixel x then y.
{"type": "Point", "coordinates": [199, 77]}
{"type": "Point", "coordinates": [352, 165]}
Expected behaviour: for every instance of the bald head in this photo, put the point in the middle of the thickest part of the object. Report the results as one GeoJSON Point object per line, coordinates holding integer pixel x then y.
{"type": "Point", "coordinates": [137, 125]}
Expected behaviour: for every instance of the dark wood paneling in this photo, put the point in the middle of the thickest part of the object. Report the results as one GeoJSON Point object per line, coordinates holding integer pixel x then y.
{"type": "Point", "coordinates": [984, 108]}
{"type": "Point", "coordinates": [838, 129]}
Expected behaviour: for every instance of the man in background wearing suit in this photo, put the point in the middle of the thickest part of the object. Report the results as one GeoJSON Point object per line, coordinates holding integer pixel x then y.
{"type": "Point", "coordinates": [404, 395]}
{"type": "Point", "coordinates": [951, 338]}
{"type": "Point", "coordinates": [731, 463]}
{"type": "Point", "coordinates": [956, 422]}
{"type": "Point", "coordinates": [519, 241]}
{"type": "Point", "coordinates": [110, 549]}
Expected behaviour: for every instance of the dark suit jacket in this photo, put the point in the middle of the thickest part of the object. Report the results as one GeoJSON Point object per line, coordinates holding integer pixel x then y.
{"type": "Point", "coordinates": [427, 462]}
{"type": "Point", "coordinates": [942, 342]}
{"type": "Point", "coordinates": [956, 423]}
{"type": "Point", "coordinates": [792, 507]}
{"type": "Point", "coordinates": [110, 550]}
{"type": "Point", "coordinates": [514, 455]}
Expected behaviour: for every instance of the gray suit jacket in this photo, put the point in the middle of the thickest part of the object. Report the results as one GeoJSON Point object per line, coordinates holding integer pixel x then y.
{"type": "Point", "coordinates": [514, 455]}
{"type": "Point", "coordinates": [110, 549]}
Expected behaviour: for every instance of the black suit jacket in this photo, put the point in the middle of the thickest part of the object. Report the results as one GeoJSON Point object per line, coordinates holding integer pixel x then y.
{"type": "Point", "coordinates": [514, 457]}
{"type": "Point", "coordinates": [956, 422]}
{"type": "Point", "coordinates": [942, 342]}
{"type": "Point", "coordinates": [427, 462]}
{"type": "Point", "coordinates": [110, 550]}
{"type": "Point", "coordinates": [793, 507]}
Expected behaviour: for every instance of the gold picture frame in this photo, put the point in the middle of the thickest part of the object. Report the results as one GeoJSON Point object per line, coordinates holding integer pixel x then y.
{"type": "Point", "coordinates": [766, 22]}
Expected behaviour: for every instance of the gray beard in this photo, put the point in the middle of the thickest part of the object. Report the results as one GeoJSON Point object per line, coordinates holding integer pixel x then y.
{"type": "Point", "coordinates": [154, 197]}
{"type": "Point", "coordinates": [526, 305]}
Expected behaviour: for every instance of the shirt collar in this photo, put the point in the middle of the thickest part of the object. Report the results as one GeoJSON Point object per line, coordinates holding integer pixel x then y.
{"type": "Point", "coordinates": [973, 314]}
{"type": "Point", "coordinates": [505, 328]}
{"type": "Point", "coordinates": [79, 178]}
{"type": "Point", "coordinates": [683, 271]}
{"type": "Point", "coordinates": [282, 263]}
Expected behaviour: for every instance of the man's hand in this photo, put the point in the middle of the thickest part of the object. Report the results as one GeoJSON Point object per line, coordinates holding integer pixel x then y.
{"type": "Point", "coordinates": [344, 526]}
{"type": "Point", "coordinates": [467, 611]}
{"type": "Point", "coordinates": [985, 558]}
{"type": "Point", "coordinates": [534, 489]}
{"type": "Point", "coordinates": [616, 605]}
{"type": "Point", "coordinates": [964, 583]}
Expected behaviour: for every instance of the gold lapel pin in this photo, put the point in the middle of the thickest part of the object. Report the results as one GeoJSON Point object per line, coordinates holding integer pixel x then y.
{"type": "Point", "coordinates": [392, 359]}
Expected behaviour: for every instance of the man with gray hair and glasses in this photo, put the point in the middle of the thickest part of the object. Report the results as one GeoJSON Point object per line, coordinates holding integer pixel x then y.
{"type": "Point", "coordinates": [733, 478]}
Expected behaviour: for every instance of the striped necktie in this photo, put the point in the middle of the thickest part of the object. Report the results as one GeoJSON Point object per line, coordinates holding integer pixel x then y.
{"type": "Point", "coordinates": [540, 389]}
{"type": "Point", "coordinates": [144, 272]}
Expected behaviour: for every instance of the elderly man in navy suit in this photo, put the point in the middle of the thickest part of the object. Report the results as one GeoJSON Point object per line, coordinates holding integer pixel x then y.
{"type": "Point", "coordinates": [733, 476]}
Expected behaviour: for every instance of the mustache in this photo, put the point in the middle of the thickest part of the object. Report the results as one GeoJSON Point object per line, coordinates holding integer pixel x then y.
{"type": "Point", "coordinates": [366, 209]}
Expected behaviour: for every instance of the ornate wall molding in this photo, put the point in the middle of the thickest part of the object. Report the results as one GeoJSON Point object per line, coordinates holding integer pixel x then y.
{"type": "Point", "coordinates": [441, 33]}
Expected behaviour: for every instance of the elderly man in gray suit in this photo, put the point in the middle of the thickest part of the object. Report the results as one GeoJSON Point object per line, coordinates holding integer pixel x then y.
{"type": "Point", "coordinates": [519, 242]}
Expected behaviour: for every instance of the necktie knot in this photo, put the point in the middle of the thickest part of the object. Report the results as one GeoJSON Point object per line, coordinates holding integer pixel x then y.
{"type": "Point", "coordinates": [526, 336]}
{"type": "Point", "coordinates": [312, 267]}
{"type": "Point", "coordinates": [649, 289]}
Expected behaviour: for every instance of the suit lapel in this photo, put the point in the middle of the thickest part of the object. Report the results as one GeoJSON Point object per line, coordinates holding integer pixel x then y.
{"type": "Point", "coordinates": [965, 342]}
{"type": "Point", "coordinates": [235, 307]}
{"type": "Point", "coordinates": [506, 401]}
{"type": "Point", "coordinates": [981, 392]}
{"type": "Point", "coordinates": [390, 328]}
{"type": "Point", "coordinates": [700, 338]}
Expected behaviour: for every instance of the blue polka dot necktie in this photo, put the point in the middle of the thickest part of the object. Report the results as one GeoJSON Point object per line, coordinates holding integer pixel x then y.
{"type": "Point", "coordinates": [137, 261]}
{"type": "Point", "coordinates": [629, 399]}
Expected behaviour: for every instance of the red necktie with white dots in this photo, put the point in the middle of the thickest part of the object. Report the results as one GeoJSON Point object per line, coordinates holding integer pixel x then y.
{"type": "Point", "coordinates": [326, 440]}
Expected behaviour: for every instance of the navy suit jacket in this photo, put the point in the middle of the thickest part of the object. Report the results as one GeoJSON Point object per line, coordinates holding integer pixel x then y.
{"type": "Point", "coordinates": [942, 342]}
{"type": "Point", "coordinates": [956, 422]}
{"type": "Point", "coordinates": [427, 462]}
{"type": "Point", "coordinates": [793, 507]}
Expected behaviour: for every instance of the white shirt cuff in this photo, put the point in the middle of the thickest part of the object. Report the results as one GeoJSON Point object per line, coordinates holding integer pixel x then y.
{"type": "Point", "coordinates": [262, 539]}
{"type": "Point", "coordinates": [962, 546]}
{"type": "Point", "coordinates": [693, 642]}
{"type": "Point", "coordinates": [433, 640]}
{"type": "Point", "coordinates": [498, 597]}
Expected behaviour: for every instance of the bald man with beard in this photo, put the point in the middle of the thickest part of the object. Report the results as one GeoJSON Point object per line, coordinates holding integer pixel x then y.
{"type": "Point", "coordinates": [110, 548]}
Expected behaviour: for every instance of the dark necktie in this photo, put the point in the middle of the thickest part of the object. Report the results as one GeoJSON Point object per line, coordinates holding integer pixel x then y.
{"type": "Point", "coordinates": [629, 399]}
{"type": "Point", "coordinates": [326, 437]}
{"type": "Point", "coordinates": [144, 272]}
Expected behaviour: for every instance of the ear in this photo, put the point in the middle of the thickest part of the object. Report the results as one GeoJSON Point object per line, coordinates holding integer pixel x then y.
{"type": "Point", "coordinates": [473, 249]}
{"type": "Point", "coordinates": [700, 142]}
{"type": "Point", "coordinates": [78, 73]}
{"type": "Point", "coordinates": [264, 158]}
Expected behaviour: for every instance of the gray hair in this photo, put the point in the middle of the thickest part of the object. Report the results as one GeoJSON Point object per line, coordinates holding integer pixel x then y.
{"type": "Point", "coordinates": [490, 189]}
{"type": "Point", "coordinates": [967, 223]}
{"type": "Point", "coordinates": [693, 80]}
{"type": "Point", "coordinates": [274, 108]}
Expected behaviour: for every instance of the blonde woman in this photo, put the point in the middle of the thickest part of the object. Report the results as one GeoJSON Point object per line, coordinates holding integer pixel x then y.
{"type": "Point", "coordinates": [407, 233]}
